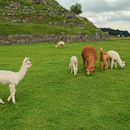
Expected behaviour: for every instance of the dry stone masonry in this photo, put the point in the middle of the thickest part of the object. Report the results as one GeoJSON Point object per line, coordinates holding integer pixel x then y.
{"type": "Point", "coordinates": [42, 38]}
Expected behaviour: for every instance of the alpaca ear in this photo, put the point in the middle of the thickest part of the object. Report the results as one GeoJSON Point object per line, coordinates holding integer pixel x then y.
{"type": "Point", "coordinates": [25, 59]}
{"type": "Point", "coordinates": [101, 49]}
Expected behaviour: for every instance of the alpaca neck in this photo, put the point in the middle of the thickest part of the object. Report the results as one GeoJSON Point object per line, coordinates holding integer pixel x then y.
{"type": "Point", "coordinates": [101, 56]}
{"type": "Point", "coordinates": [120, 63]}
{"type": "Point", "coordinates": [22, 71]}
{"type": "Point", "coordinates": [91, 61]}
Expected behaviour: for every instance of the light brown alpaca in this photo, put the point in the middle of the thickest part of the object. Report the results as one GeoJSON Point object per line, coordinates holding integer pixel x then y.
{"type": "Point", "coordinates": [89, 57]}
{"type": "Point", "coordinates": [104, 57]}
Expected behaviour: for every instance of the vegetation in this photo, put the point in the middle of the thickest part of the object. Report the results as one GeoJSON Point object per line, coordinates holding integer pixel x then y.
{"type": "Point", "coordinates": [76, 8]}
{"type": "Point", "coordinates": [117, 32]}
{"type": "Point", "coordinates": [32, 28]}
{"type": "Point", "coordinates": [50, 98]}
{"type": "Point", "coordinates": [24, 17]}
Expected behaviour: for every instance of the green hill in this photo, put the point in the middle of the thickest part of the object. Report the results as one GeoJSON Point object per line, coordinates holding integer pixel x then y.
{"type": "Point", "coordinates": [48, 17]}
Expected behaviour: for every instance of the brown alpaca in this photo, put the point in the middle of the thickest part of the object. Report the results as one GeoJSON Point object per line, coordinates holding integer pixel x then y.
{"type": "Point", "coordinates": [104, 57]}
{"type": "Point", "coordinates": [89, 57]}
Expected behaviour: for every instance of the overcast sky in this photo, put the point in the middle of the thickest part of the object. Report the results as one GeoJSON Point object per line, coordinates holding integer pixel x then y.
{"type": "Point", "coordinates": [104, 13]}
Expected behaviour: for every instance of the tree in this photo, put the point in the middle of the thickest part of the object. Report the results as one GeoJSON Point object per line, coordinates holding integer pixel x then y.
{"type": "Point", "coordinates": [76, 8]}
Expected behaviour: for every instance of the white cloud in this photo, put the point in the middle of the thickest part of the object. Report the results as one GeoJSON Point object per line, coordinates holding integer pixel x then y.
{"type": "Point", "coordinates": [104, 13]}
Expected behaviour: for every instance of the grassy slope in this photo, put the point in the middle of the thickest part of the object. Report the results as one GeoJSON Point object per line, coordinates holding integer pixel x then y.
{"type": "Point", "coordinates": [50, 98]}
{"type": "Point", "coordinates": [32, 27]}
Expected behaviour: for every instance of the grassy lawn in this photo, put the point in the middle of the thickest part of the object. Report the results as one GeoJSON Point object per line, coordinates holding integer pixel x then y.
{"type": "Point", "coordinates": [50, 98]}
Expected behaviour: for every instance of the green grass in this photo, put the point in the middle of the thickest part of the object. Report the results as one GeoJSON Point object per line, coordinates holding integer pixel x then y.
{"type": "Point", "coordinates": [32, 28]}
{"type": "Point", "coordinates": [50, 98]}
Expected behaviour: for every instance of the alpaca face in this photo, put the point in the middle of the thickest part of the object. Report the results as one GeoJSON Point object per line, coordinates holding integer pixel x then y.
{"type": "Point", "coordinates": [27, 62]}
{"type": "Point", "coordinates": [90, 70]}
{"type": "Point", "coordinates": [123, 64]}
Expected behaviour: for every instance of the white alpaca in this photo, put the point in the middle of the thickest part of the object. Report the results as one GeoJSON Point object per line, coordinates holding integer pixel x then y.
{"type": "Point", "coordinates": [12, 78]}
{"type": "Point", "coordinates": [60, 44]}
{"type": "Point", "coordinates": [115, 58]}
{"type": "Point", "coordinates": [73, 65]}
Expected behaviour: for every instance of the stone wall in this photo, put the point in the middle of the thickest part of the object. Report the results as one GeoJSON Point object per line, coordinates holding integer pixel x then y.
{"type": "Point", "coordinates": [42, 38]}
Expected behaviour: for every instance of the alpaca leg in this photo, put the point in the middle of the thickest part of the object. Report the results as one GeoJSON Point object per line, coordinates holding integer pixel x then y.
{"type": "Point", "coordinates": [9, 98]}
{"type": "Point", "coordinates": [12, 93]}
{"type": "Point", "coordinates": [74, 70]}
{"type": "Point", "coordinates": [115, 64]}
{"type": "Point", "coordinates": [106, 65]}
{"type": "Point", "coordinates": [83, 60]}
{"type": "Point", "coordinates": [71, 69]}
{"type": "Point", "coordinates": [1, 101]}
{"type": "Point", "coordinates": [101, 65]}
{"type": "Point", "coordinates": [13, 97]}
{"type": "Point", "coordinates": [109, 63]}
{"type": "Point", "coordinates": [112, 63]}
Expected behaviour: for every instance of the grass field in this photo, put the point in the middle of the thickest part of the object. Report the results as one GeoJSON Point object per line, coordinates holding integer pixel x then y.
{"type": "Point", "coordinates": [50, 98]}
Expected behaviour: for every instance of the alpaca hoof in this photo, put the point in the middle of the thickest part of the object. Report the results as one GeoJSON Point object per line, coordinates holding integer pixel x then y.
{"type": "Point", "coordinates": [13, 101]}
{"type": "Point", "coordinates": [1, 102]}
{"type": "Point", "coordinates": [8, 100]}
{"type": "Point", "coordinates": [75, 74]}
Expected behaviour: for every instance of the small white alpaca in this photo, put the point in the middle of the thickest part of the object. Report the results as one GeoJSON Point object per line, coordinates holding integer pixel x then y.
{"type": "Point", "coordinates": [12, 78]}
{"type": "Point", "coordinates": [115, 58]}
{"type": "Point", "coordinates": [60, 44]}
{"type": "Point", "coordinates": [73, 65]}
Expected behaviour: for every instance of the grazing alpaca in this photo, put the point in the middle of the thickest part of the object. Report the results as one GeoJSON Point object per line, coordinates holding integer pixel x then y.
{"type": "Point", "coordinates": [12, 78]}
{"type": "Point", "coordinates": [73, 65]}
{"type": "Point", "coordinates": [60, 44]}
{"type": "Point", "coordinates": [115, 58]}
{"type": "Point", "coordinates": [89, 57]}
{"type": "Point", "coordinates": [104, 57]}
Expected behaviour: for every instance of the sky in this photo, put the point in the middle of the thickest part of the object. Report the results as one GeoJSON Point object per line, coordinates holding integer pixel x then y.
{"type": "Point", "coordinates": [114, 14]}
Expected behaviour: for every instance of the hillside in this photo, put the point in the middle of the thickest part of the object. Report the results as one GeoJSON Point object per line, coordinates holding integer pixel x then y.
{"type": "Point", "coordinates": [27, 17]}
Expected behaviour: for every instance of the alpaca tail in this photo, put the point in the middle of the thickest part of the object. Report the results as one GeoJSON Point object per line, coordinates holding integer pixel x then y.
{"type": "Point", "coordinates": [1, 101]}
